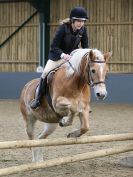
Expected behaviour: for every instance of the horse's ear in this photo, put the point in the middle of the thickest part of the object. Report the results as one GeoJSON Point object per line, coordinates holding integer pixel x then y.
{"type": "Point", "coordinates": [91, 55]}
{"type": "Point", "coordinates": [107, 55]}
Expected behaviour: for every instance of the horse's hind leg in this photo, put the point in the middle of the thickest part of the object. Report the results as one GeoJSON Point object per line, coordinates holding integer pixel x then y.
{"type": "Point", "coordinates": [38, 152]}
{"type": "Point", "coordinates": [30, 124]}
{"type": "Point", "coordinates": [30, 121]}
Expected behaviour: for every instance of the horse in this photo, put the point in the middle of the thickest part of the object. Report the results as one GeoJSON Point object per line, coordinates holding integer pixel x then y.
{"type": "Point", "coordinates": [69, 89]}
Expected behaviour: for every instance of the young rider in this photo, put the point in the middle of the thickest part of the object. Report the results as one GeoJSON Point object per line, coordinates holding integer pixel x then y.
{"type": "Point", "coordinates": [69, 35]}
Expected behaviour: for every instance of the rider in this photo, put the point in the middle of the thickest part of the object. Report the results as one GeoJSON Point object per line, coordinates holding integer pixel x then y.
{"type": "Point", "coordinates": [69, 35]}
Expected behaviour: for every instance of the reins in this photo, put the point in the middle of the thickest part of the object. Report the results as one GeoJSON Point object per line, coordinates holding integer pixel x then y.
{"type": "Point", "coordinates": [71, 65]}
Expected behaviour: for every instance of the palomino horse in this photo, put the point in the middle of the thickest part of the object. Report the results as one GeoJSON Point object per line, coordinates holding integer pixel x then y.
{"type": "Point", "coordinates": [70, 93]}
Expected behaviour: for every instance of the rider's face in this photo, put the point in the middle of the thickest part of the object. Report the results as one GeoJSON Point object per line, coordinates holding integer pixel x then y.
{"type": "Point", "coordinates": [77, 24]}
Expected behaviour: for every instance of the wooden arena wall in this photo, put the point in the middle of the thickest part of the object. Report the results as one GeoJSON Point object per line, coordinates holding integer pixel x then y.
{"type": "Point", "coordinates": [20, 53]}
{"type": "Point", "coordinates": [110, 28]}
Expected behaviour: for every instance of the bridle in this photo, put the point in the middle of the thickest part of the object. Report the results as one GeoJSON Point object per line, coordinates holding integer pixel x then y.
{"type": "Point", "coordinates": [90, 81]}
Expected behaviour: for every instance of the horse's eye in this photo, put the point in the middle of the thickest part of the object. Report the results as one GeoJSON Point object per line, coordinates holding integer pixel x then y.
{"type": "Point", "coordinates": [93, 71]}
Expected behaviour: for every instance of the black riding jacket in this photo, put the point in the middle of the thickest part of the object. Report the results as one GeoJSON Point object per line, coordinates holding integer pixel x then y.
{"type": "Point", "coordinates": [66, 40]}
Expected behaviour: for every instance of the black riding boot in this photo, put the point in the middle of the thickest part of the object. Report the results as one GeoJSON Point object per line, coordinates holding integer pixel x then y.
{"type": "Point", "coordinates": [37, 102]}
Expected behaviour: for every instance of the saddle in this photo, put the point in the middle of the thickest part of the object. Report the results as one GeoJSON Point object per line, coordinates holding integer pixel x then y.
{"type": "Point", "coordinates": [47, 81]}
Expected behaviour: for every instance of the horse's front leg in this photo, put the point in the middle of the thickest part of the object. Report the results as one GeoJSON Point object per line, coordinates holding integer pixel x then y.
{"type": "Point", "coordinates": [62, 106]}
{"type": "Point", "coordinates": [84, 119]}
{"type": "Point", "coordinates": [67, 120]}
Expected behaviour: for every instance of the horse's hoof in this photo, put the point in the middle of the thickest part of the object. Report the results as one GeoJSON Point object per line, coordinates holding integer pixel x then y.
{"type": "Point", "coordinates": [61, 124]}
{"type": "Point", "coordinates": [71, 135]}
{"type": "Point", "coordinates": [74, 134]}
{"type": "Point", "coordinates": [65, 121]}
{"type": "Point", "coordinates": [37, 160]}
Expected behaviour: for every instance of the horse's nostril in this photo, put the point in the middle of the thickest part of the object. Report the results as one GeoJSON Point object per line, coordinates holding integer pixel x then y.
{"type": "Point", "coordinates": [98, 94]}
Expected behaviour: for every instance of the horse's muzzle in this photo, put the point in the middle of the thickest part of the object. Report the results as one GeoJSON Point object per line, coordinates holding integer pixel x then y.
{"type": "Point", "coordinates": [100, 91]}
{"type": "Point", "coordinates": [101, 96]}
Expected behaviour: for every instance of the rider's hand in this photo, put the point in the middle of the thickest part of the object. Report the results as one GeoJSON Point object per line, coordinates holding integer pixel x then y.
{"type": "Point", "coordinates": [65, 56]}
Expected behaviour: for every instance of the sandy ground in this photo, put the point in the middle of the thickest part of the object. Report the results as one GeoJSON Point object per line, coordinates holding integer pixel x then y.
{"type": "Point", "coordinates": [105, 119]}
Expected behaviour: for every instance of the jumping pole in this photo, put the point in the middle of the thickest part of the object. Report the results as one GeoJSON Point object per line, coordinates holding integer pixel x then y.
{"type": "Point", "coordinates": [65, 141]}
{"type": "Point", "coordinates": [65, 160]}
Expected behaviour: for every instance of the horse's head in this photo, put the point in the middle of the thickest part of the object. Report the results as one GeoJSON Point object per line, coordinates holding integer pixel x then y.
{"type": "Point", "coordinates": [97, 68]}
{"type": "Point", "coordinates": [91, 66]}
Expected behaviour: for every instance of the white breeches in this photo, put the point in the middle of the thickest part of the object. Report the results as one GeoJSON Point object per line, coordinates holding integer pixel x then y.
{"type": "Point", "coordinates": [50, 65]}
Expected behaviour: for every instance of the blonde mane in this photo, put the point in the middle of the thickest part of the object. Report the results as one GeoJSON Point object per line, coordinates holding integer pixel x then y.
{"type": "Point", "coordinates": [77, 56]}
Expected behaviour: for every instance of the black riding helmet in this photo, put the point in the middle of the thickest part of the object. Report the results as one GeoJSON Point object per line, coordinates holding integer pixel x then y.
{"type": "Point", "coordinates": [78, 13]}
